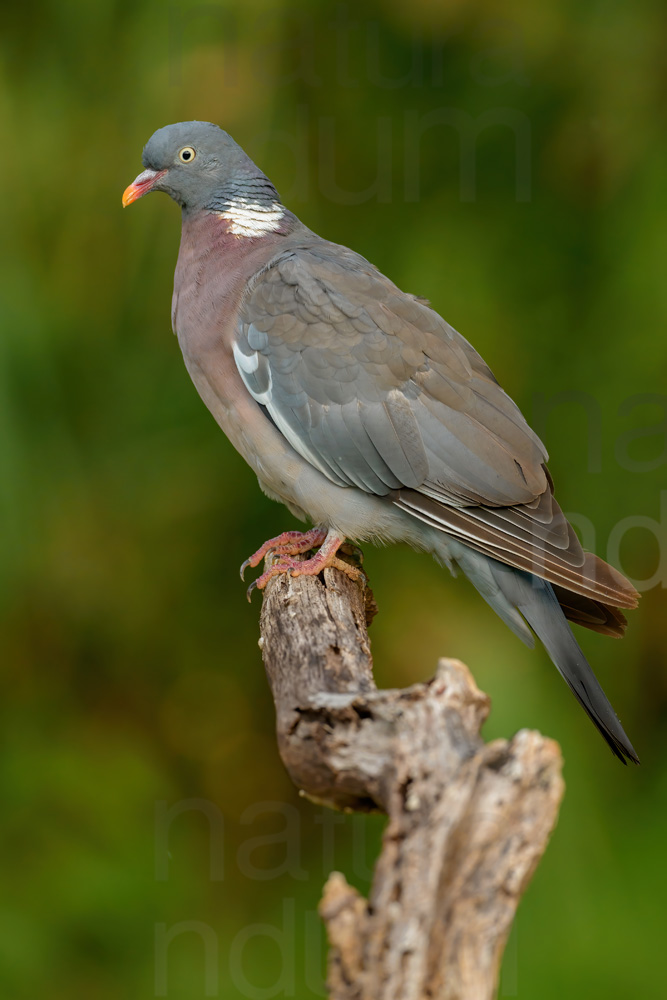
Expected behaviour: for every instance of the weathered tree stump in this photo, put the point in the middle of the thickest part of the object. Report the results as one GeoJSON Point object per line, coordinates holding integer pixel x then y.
{"type": "Point", "coordinates": [468, 821]}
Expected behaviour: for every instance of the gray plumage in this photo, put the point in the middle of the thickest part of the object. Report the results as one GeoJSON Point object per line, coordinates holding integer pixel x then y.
{"type": "Point", "coordinates": [363, 411]}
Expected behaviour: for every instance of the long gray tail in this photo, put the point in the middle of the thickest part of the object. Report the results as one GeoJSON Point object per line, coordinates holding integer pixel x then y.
{"type": "Point", "coordinates": [509, 591]}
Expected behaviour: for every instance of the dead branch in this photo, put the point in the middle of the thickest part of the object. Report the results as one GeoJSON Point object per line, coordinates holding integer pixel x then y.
{"type": "Point", "coordinates": [468, 821]}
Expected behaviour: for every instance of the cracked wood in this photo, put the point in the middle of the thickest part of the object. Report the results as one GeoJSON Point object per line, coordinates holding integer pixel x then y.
{"type": "Point", "coordinates": [467, 821]}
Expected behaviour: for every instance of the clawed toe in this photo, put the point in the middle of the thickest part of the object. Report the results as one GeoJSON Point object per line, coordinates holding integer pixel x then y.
{"type": "Point", "coordinates": [282, 566]}
{"type": "Point", "coordinates": [354, 572]}
{"type": "Point", "coordinates": [292, 543]}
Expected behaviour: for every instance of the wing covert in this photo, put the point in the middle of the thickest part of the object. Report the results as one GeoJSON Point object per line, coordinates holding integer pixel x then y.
{"type": "Point", "coordinates": [373, 388]}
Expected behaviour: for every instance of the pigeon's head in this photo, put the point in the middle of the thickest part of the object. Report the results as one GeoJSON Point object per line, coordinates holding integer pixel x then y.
{"type": "Point", "coordinates": [199, 166]}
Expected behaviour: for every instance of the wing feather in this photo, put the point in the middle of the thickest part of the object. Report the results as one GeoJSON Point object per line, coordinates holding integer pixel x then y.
{"type": "Point", "coordinates": [377, 391]}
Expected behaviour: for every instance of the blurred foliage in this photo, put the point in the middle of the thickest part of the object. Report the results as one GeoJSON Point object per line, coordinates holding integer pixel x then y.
{"type": "Point", "coordinates": [131, 674]}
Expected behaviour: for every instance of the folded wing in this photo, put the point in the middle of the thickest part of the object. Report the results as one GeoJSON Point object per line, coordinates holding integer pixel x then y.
{"type": "Point", "coordinates": [377, 391]}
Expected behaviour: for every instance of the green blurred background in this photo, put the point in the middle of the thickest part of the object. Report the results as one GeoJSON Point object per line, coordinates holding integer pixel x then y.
{"type": "Point", "coordinates": [131, 674]}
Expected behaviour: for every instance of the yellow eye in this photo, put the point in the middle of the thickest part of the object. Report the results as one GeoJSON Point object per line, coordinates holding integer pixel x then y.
{"type": "Point", "coordinates": [187, 154]}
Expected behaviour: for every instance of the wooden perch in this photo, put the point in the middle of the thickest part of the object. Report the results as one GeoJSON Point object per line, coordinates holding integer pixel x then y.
{"type": "Point", "coordinates": [468, 821]}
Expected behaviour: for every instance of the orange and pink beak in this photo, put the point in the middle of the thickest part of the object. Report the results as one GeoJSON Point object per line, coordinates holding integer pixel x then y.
{"type": "Point", "coordinates": [141, 185]}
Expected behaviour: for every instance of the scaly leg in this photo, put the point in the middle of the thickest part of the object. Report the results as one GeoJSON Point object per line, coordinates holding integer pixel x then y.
{"type": "Point", "coordinates": [292, 543]}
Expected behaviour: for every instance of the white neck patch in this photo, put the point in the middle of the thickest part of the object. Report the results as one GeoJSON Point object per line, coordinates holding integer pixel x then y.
{"type": "Point", "coordinates": [248, 218]}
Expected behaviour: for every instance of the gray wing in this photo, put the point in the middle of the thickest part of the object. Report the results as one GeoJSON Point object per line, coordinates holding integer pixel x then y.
{"type": "Point", "coordinates": [377, 391]}
{"type": "Point", "coordinates": [373, 388]}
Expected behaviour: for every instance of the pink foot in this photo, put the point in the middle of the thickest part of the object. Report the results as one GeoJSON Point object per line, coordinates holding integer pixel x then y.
{"type": "Point", "coordinates": [292, 543]}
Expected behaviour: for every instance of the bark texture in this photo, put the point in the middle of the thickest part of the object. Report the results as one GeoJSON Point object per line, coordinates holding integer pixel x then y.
{"type": "Point", "coordinates": [467, 821]}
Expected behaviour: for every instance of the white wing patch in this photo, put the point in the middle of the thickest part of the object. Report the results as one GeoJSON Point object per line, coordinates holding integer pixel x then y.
{"type": "Point", "coordinates": [247, 365]}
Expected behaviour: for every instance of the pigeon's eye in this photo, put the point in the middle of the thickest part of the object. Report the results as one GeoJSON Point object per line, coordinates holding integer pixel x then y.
{"type": "Point", "coordinates": [187, 154]}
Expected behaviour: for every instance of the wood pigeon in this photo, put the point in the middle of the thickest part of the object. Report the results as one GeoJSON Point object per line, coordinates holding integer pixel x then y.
{"type": "Point", "coordinates": [364, 412]}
